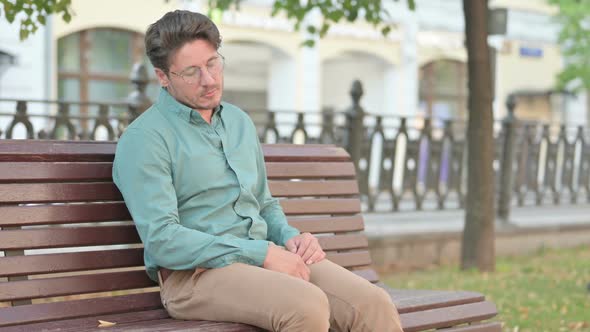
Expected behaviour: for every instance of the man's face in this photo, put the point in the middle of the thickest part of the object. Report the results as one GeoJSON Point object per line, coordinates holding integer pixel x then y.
{"type": "Point", "coordinates": [189, 80]}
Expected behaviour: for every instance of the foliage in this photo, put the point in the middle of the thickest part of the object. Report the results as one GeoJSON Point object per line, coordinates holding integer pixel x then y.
{"type": "Point", "coordinates": [34, 13]}
{"type": "Point", "coordinates": [574, 37]}
{"type": "Point", "coordinates": [541, 292]}
{"type": "Point", "coordinates": [333, 11]}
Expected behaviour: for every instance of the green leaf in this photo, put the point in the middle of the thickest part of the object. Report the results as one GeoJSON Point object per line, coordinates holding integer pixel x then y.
{"type": "Point", "coordinates": [335, 15]}
{"type": "Point", "coordinates": [386, 30]}
{"type": "Point", "coordinates": [23, 34]}
{"type": "Point", "coordinates": [324, 29]}
{"type": "Point", "coordinates": [308, 43]}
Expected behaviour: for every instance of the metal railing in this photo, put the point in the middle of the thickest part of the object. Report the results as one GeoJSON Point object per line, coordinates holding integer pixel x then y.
{"type": "Point", "coordinates": [402, 162]}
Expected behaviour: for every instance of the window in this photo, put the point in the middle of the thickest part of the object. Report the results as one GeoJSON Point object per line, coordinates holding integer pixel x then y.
{"type": "Point", "coordinates": [94, 65]}
{"type": "Point", "coordinates": [443, 89]}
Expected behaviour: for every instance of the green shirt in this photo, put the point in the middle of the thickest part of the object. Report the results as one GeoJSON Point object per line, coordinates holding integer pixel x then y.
{"type": "Point", "coordinates": [197, 192]}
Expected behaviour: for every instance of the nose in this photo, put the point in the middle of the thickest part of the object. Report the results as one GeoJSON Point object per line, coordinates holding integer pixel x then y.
{"type": "Point", "coordinates": [206, 78]}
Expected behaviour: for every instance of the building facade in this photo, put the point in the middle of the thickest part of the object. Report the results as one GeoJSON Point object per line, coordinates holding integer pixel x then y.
{"type": "Point", "coordinates": [419, 70]}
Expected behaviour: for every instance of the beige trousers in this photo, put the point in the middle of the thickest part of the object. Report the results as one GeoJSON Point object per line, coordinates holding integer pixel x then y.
{"type": "Point", "coordinates": [334, 299]}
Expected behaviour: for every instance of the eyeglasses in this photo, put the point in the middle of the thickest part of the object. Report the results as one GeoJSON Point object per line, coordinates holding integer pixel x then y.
{"type": "Point", "coordinates": [192, 75]}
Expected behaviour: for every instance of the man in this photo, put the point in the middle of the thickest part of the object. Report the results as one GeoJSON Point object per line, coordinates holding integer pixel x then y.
{"type": "Point", "coordinates": [192, 174]}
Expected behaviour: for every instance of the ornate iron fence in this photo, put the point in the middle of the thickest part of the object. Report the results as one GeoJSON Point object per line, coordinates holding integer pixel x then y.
{"type": "Point", "coordinates": [403, 162]}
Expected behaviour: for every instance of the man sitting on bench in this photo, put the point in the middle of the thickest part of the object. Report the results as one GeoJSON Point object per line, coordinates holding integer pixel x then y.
{"type": "Point", "coordinates": [192, 174]}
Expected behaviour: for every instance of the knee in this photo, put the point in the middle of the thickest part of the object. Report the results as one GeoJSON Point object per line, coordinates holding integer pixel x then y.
{"type": "Point", "coordinates": [377, 300]}
{"type": "Point", "coordinates": [310, 311]}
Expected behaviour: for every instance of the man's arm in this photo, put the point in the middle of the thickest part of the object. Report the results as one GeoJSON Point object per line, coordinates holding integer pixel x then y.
{"type": "Point", "coordinates": [279, 231]}
{"type": "Point", "coordinates": [142, 172]}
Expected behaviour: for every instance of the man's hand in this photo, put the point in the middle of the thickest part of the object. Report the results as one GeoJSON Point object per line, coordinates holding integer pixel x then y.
{"type": "Point", "coordinates": [280, 260]}
{"type": "Point", "coordinates": [307, 247]}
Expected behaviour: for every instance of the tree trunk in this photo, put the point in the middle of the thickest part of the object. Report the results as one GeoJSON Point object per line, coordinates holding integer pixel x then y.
{"type": "Point", "coordinates": [478, 237]}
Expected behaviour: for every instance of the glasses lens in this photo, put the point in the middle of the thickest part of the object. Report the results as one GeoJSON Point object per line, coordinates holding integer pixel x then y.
{"type": "Point", "coordinates": [192, 77]}
{"type": "Point", "coordinates": [216, 66]}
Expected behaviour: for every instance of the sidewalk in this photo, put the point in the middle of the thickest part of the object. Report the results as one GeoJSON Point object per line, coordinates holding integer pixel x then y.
{"type": "Point", "coordinates": [412, 240]}
{"type": "Point", "coordinates": [452, 220]}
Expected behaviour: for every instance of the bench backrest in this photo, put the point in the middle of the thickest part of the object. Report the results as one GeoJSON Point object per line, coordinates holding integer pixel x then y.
{"type": "Point", "coordinates": [65, 230]}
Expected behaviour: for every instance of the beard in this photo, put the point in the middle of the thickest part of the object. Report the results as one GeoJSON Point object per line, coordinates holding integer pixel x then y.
{"type": "Point", "coordinates": [198, 101]}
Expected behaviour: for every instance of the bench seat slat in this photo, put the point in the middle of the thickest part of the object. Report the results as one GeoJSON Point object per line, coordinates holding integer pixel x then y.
{"type": "Point", "coordinates": [68, 237]}
{"type": "Point", "coordinates": [80, 284]}
{"type": "Point", "coordinates": [48, 150]}
{"type": "Point", "coordinates": [367, 273]}
{"type": "Point", "coordinates": [173, 325]}
{"type": "Point", "coordinates": [70, 262]}
{"type": "Point", "coordinates": [350, 259]}
{"type": "Point", "coordinates": [88, 260]}
{"type": "Point", "coordinates": [411, 300]}
{"type": "Point", "coordinates": [309, 170]}
{"type": "Point", "coordinates": [296, 206]}
{"type": "Point", "coordinates": [153, 320]}
{"type": "Point", "coordinates": [44, 312]}
{"type": "Point", "coordinates": [105, 191]}
{"type": "Point", "coordinates": [125, 234]}
{"type": "Point", "coordinates": [313, 188]}
{"type": "Point", "coordinates": [448, 316]}
{"type": "Point", "coordinates": [477, 327]}
{"type": "Point", "coordinates": [63, 214]}
{"type": "Point", "coordinates": [327, 224]}
{"type": "Point", "coordinates": [340, 242]}
{"type": "Point", "coordinates": [104, 212]}
{"type": "Point", "coordinates": [303, 153]}
{"type": "Point", "coordinates": [59, 192]}
{"type": "Point", "coordinates": [55, 172]}
{"type": "Point", "coordinates": [17, 172]}
{"type": "Point", "coordinates": [87, 323]}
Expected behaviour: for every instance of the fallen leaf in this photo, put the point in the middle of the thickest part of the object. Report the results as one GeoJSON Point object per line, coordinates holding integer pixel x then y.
{"type": "Point", "coordinates": [104, 323]}
{"type": "Point", "coordinates": [576, 326]}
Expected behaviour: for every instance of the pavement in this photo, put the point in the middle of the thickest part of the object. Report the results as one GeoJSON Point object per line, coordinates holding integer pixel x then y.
{"type": "Point", "coordinates": [410, 239]}
{"type": "Point", "coordinates": [428, 221]}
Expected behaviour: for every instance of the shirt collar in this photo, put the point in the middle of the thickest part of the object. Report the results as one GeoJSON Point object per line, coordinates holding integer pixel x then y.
{"type": "Point", "coordinates": [184, 112]}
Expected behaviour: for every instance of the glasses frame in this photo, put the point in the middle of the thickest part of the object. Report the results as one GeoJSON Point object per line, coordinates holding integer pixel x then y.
{"type": "Point", "coordinates": [182, 74]}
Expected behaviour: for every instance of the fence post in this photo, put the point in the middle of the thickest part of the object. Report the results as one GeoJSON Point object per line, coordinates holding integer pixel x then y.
{"type": "Point", "coordinates": [508, 150]}
{"type": "Point", "coordinates": [138, 101]}
{"type": "Point", "coordinates": [354, 124]}
{"type": "Point", "coordinates": [327, 135]}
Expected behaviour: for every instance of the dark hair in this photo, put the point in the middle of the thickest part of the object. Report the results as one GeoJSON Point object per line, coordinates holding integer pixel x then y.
{"type": "Point", "coordinates": [168, 34]}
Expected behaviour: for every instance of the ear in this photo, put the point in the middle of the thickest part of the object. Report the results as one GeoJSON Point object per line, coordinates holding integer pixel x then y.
{"type": "Point", "coordinates": [162, 77]}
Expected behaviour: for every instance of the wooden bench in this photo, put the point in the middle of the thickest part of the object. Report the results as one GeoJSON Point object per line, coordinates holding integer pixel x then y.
{"type": "Point", "coordinates": [73, 256]}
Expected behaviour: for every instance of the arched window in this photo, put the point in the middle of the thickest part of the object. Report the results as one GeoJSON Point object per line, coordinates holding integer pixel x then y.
{"type": "Point", "coordinates": [443, 89]}
{"type": "Point", "coordinates": [94, 65]}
